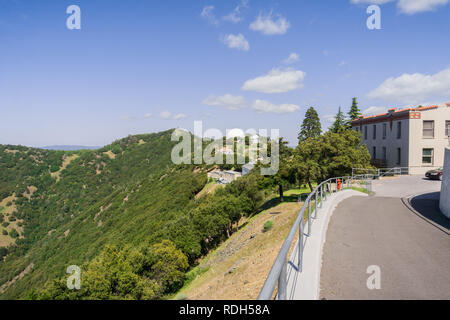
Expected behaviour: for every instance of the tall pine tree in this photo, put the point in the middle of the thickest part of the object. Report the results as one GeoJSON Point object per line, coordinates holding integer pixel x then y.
{"type": "Point", "coordinates": [340, 123]}
{"type": "Point", "coordinates": [311, 127]}
{"type": "Point", "coordinates": [354, 112]}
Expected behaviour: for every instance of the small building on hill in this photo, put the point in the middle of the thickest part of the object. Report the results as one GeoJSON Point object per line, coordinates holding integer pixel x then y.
{"type": "Point", "coordinates": [227, 176]}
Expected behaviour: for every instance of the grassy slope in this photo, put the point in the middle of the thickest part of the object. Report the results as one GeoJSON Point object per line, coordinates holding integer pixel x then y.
{"type": "Point", "coordinates": [239, 267]}
{"type": "Point", "coordinates": [137, 196]}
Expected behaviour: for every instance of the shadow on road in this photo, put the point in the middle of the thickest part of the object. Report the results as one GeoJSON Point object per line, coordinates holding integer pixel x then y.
{"type": "Point", "coordinates": [427, 206]}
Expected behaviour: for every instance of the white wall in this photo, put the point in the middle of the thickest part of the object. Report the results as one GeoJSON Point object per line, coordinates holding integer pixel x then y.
{"type": "Point", "coordinates": [445, 189]}
{"type": "Point", "coordinates": [418, 142]}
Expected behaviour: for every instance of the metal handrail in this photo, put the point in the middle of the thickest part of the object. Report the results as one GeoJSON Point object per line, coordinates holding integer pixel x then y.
{"type": "Point", "coordinates": [278, 273]}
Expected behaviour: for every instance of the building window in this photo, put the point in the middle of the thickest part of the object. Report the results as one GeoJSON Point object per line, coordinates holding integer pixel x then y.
{"type": "Point", "coordinates": [399, 130]}
{"type": "Point", "coordinates": [427, 156]}
{"type": "Point", "coordinates": [447, 128]}
{"type": "Point", "coordinates": [399, 155]}
{"type": "Point", "coordinates": [374, 155]}
{"type": "Point", "coordinates": [374, 131]}
{"type": "Point", "coordinates": [365, 132]}
{"type": "Point", "coordinates": [384, 154]}
{"type": "Point", "coordinates": [428, 129]}
{"type": "Point", "coordinates": [384, 130]}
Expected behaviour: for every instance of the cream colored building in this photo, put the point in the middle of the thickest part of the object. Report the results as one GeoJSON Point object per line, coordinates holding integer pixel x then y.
{"type": "Point", "coordinates": [412, 137]}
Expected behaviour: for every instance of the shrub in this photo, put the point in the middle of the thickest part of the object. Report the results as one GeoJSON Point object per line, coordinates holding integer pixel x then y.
{"type": "Point", "coordinates": [4, 232]}
{"type": "Point", "coordinates": [13, 233]}
{"type": "Point", "coordinates": [3, 252]}
{"type": "Point", "coordinates": [267, 226]}
{"type": "Point", "coordinates": [5, 224]}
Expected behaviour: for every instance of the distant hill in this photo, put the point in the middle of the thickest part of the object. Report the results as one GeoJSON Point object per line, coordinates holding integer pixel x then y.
{"type": "Point", "coordinates": [124, 213]}
{"type": "Point", "coordinates": [70, 148]}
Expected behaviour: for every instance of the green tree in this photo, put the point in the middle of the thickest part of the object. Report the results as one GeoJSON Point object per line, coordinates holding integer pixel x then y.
{"type": "Point", "coordinates": [330, 155]}
{"type": "Point", "coordinates": [340, 123]}
{"type": "Point", "coordinates": [354, 112]}
{"type": "Point", "coordinates": [286, 170]}
{"type": "Point", "coordinates": [311, 127]}
{"type": "Point", "coordinates": [167, 265]}
{"type": "Point", "coordinates": [342, 151]}
{"type": "Point", "coordinates": [307, 161]}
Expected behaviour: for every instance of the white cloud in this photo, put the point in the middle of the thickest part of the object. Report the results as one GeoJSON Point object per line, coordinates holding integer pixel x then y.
{"type": "Point", "coordinates": [262, 106]}
{"type": "Point", "coordinates": [408, 6]}
{"type": "Point", "coordinates": [372, 111]}
{"type": "Point", "coordinates": [413, 88]}
{"type": "Point", "coordinates": [148, 115]}
{"type": "Point", "coordinates": [416, 6]}
{"type": "Point", "coordinates": [236, 42]}
{"type": "Point", "coordinates": [236, 15]}
{"type": "Point", "coordinates": [293, 57]}
{"type": "Point", "coordinates": [227, 101]}
{"type": "Point", "coordinates": [208, 14]}
{"type": "Point", "coordinates": [342, 63]}
{"type": "Point", "coordinates": [268, 26]}
{"type": "Point", "coordinates": [179, 116]}
{"type": "Point", "coordinates": [166, 115]}
{"type": "Point", "coordinates": [276, 81]}
{"type": "Point", "coordinates": [329, 118]}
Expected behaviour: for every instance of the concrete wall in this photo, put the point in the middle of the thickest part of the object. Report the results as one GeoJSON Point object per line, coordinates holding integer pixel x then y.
{"type": "Point", "coordinates": [445, 189]}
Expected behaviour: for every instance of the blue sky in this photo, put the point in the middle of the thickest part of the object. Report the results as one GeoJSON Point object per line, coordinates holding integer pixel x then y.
{"type": "Point", "coordinates": [144, 66]}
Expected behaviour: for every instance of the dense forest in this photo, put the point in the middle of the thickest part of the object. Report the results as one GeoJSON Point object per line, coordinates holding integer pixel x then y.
{"type": "Point", "coordinates": [128, 216]}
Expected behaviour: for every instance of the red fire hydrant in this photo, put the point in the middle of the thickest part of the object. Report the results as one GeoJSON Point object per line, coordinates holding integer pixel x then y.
{"type": "Point", "coordinates": [339, 184]}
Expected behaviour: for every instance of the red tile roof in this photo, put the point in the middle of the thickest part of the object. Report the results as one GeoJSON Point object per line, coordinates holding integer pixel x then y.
{"type": "Point", "coordinates": [394, 110]}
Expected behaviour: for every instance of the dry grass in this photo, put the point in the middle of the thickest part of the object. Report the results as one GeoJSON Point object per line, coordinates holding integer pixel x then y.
{"type": "Point", "coordinates": [110, 154]}
{"type": "Point", "coordinates": [7, 211]}
{"type": "Point", "coordinates": [238, 268]}
{"type": "Point", "coordinates": [208, 188]}
{"type": "Point", "coordinates": [66, 162]}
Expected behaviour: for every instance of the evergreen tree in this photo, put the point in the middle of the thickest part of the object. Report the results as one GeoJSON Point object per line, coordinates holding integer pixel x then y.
{"type": "Point", "coordinates": [340, 122]}
{"type": "Point", "coordinates": [354, 112]}
{"type": "Point", "coordinates": [311, 127]}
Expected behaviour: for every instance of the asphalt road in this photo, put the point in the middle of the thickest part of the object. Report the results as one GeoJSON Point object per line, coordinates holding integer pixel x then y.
{"type": "Point", "coordinates": [407, 237]}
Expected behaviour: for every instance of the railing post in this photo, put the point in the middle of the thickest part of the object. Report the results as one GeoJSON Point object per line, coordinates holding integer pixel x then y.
{"type": "Point", "coordinates": [300, 247]}
{"type": "Point", "coordinates": [315, 204]}
{"type": "Point", "coordinates": [321, 196]}
{"type": "Point", "coordinates": [282, 283]}
{"type": "Point", "coordinates": [309, 217]}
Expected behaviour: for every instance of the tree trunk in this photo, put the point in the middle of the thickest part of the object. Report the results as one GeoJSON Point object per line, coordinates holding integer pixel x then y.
{"type": "Point", "coordinates": [280, 187]}
{"type": "Point", "coordinates": [310, 186]}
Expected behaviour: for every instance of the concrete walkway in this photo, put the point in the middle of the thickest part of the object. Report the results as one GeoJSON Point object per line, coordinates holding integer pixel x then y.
{"type": "Point", "coordinates": [305, 285]}
{"type": "Point", "coordinates": [400, 230]}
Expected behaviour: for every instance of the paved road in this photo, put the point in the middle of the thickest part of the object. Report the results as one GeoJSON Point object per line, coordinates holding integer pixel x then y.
{"type": "Point", "coordinates": [408, 240]}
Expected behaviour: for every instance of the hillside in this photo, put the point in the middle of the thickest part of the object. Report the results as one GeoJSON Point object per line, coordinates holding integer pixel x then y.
{"type": "Point", "coordinates": [72, 205]}
{"type": "Point", "coordinates": [90, 207]}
